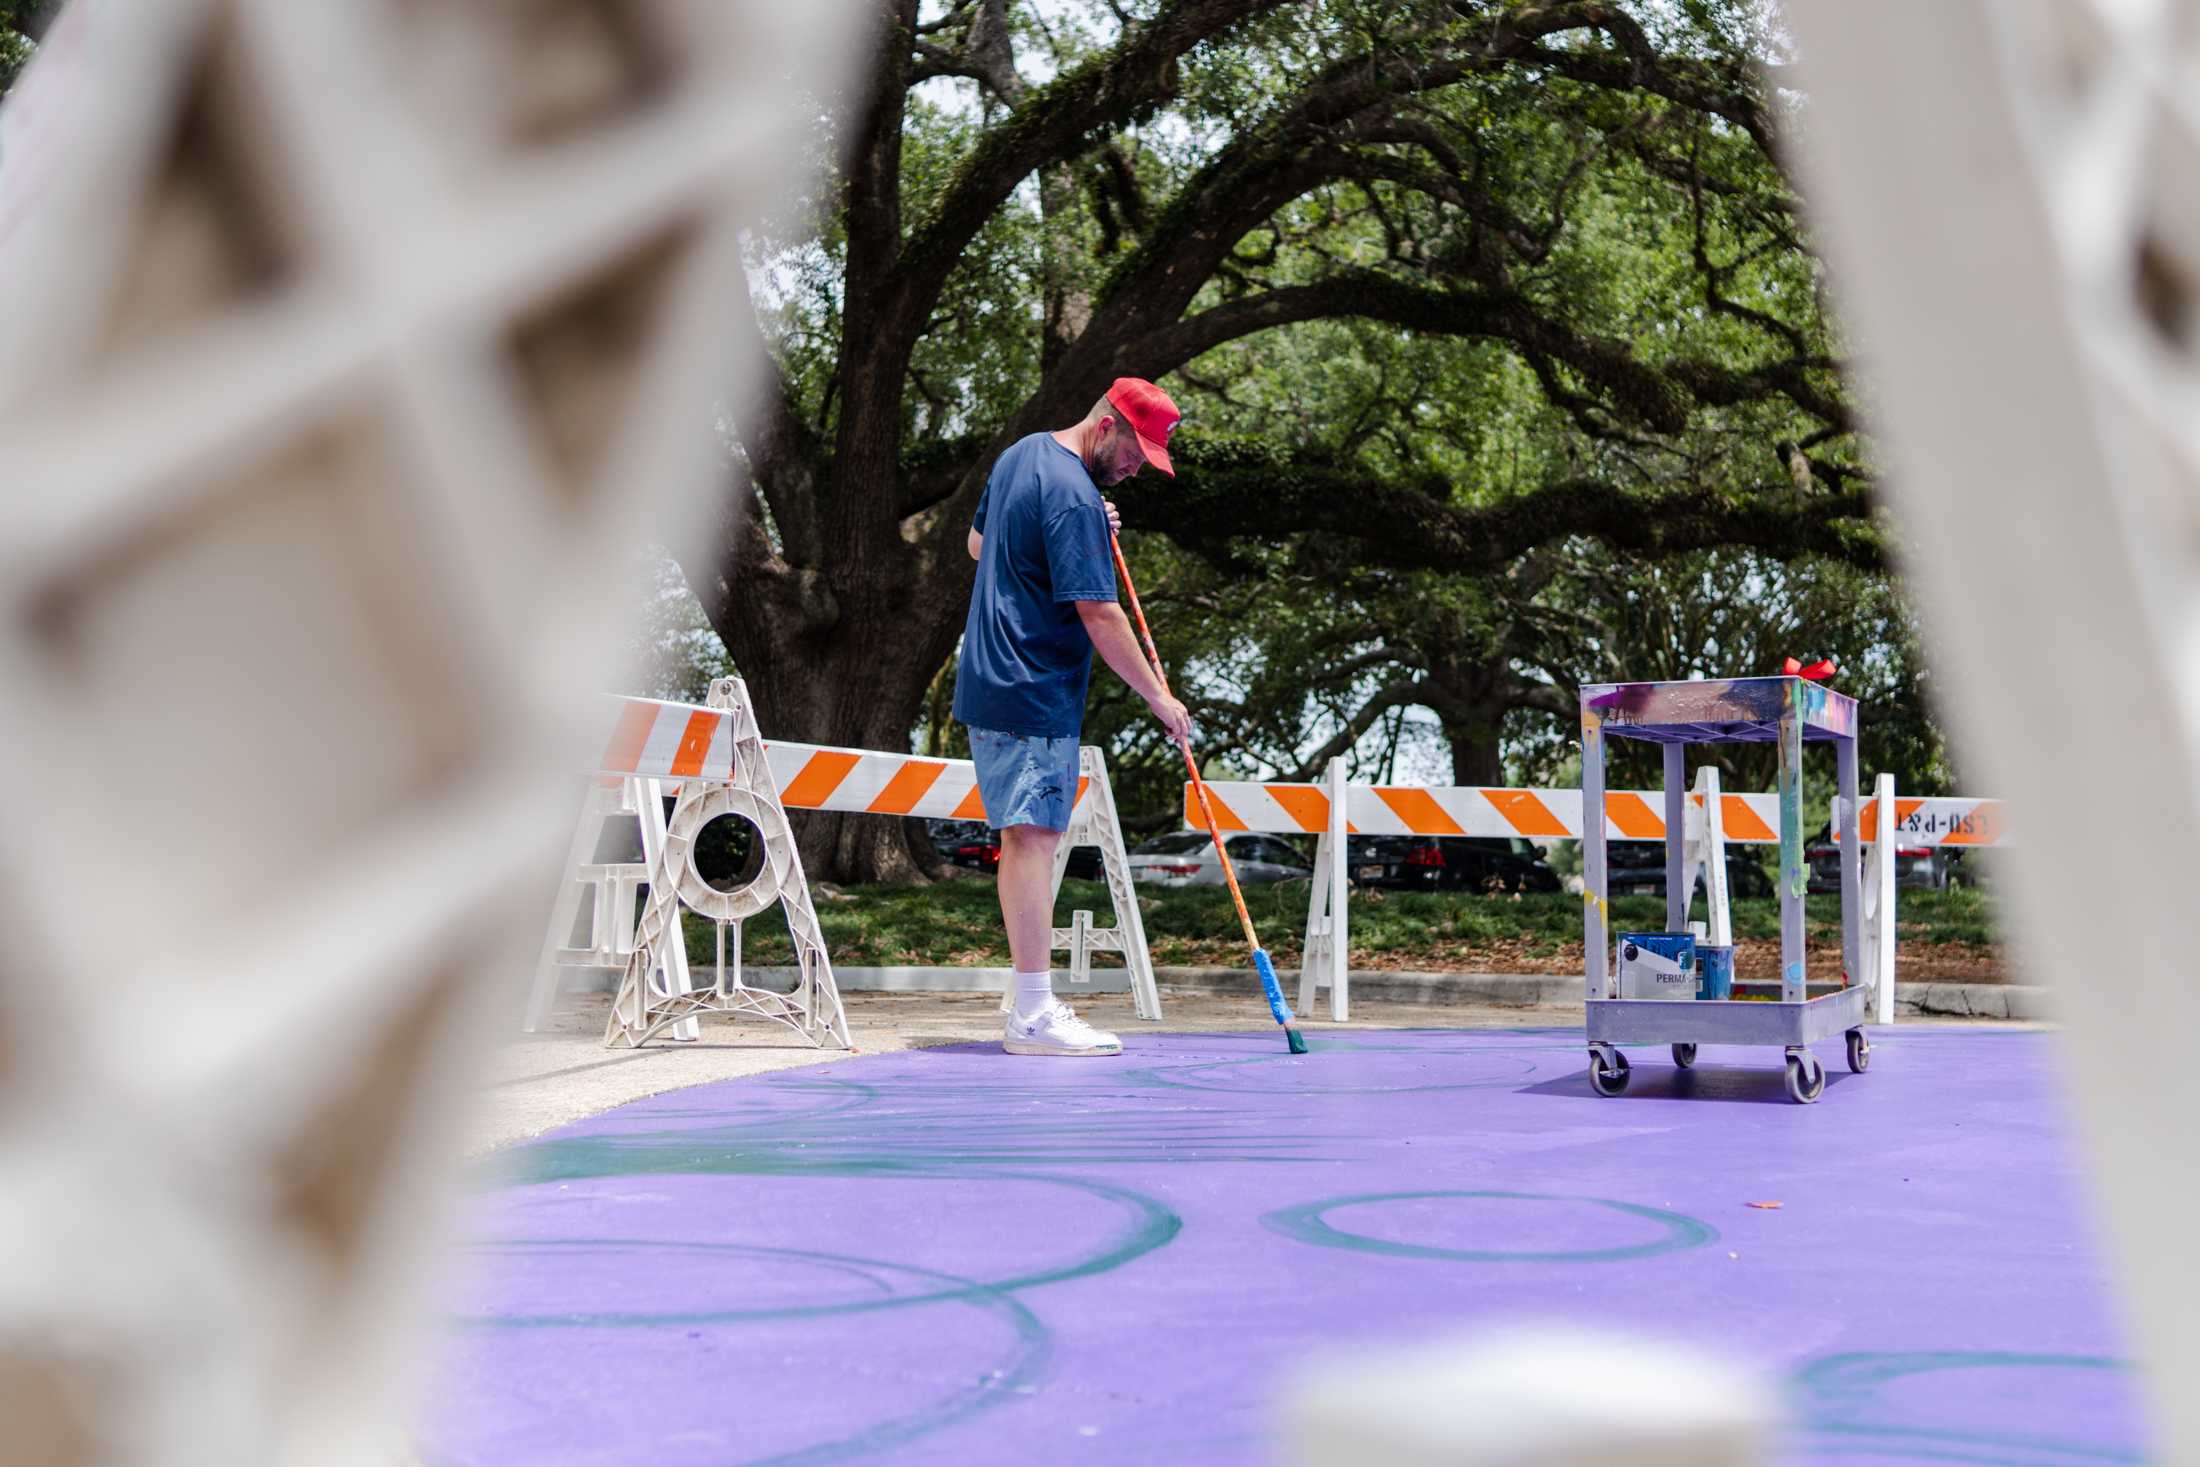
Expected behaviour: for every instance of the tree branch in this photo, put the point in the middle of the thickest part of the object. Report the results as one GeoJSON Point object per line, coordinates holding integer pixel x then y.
{"type": "Point", "coordinates": [1417, 526]}
{"type": "Point", "coordinates": [1053, 125]}
{"type": "Point", "coordinates": [1392, 695]}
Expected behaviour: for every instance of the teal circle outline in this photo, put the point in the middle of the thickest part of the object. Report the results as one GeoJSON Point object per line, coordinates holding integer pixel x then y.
{"type": "Point", "coordinates": [1153, 1227]}
{"type": "Point", "coordinates": [1306, 1223]}
{"type": "Point", "coordinates": [1842, 1406]}
{"type": "Point", "coordinates": [1030, 1355]}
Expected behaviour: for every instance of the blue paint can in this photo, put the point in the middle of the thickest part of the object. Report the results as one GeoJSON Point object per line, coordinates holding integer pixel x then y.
{"type": "Point", "coordinates": [1714, 971]}
{"type": "Point", "coordinates": [1657, 965]}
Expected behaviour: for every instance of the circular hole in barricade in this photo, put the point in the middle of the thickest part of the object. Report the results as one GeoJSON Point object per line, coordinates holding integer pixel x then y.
{"type": "Point", "coordinates": [729, 851]}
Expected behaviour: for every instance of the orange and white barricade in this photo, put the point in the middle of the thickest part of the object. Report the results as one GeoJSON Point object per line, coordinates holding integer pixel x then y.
{"type": "Point", "coordinates": [1893, 825]}
{"type": "Point", "coordinates": [1335, 810]}
{"type": "Point", "coordinates": [711, 760]}
{"type": "Point", "coordinates": [657, 749]}
{"type": "Point", "coordinates": [814, 778]}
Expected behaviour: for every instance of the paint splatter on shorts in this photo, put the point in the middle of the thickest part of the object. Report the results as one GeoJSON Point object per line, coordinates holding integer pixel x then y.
{"type": "Point", "coordinates": [1025, 779]}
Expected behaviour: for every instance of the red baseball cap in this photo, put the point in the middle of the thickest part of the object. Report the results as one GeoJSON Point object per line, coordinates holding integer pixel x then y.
{"type": "Point", "coordinates": [1151, 416]}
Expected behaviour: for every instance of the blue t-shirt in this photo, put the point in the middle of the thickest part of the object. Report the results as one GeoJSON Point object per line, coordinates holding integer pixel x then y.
{"type": "Point", "coordinates": [1025, 656]}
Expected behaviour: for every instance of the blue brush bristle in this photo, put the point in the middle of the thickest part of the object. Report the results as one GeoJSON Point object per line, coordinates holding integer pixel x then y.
{"type": "Point", "coordinates": [1274, 990]}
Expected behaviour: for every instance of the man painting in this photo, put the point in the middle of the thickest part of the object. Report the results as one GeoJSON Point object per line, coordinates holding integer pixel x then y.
{"type": "Point", "coordinates": [1043, 603]}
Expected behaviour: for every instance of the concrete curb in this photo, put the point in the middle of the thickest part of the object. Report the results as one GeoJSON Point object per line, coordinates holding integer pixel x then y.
{"type": "Point", "coordinates": [1383, 985]}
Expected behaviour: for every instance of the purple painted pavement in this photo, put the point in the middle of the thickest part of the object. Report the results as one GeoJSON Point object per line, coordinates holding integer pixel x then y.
{"type": "Point", "coordinates": [954, 1255]}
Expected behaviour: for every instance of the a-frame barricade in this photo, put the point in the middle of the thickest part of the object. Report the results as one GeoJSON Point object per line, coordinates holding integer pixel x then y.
{"type": "Point", "coordinates": [713, 761]}
{"type": "Point", "coordinates": [1094, 823]}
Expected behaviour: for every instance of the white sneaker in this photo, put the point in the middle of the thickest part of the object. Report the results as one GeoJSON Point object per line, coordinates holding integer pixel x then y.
{"type": "Point", "coordinates": [1056, 1030]}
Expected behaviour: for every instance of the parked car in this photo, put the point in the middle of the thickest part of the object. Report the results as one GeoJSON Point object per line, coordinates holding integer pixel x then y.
{"type": "Point", "coordinates": [976, 845]}
{"type": "Point", "coordinates": [1447, 863]}
{"type": "Point", "coordinates": [1637, 868]}
{"type": "Point", "coordinates": [1187, 858]}
{"type": "Point", "coordinates": [1916, 868]}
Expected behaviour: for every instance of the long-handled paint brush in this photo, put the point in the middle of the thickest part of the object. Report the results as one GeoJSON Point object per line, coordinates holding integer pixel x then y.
{"type": "Point", "coordinates": [1261, 963]}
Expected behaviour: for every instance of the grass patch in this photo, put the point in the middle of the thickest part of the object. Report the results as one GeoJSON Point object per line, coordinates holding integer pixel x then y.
{"type": "Point", "coordinates": [958, 924]}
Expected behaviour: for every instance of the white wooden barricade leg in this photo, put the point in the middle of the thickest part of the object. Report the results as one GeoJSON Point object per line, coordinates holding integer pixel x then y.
{"type": "Point", "coordinates": [1707, 857]}
{"type": "Point", "coordinates": [644, 1007]}
{"type": "Point", "coordinates": [600, 802]}
{"type": "Point", "coordinates": [668, 976]}
{"type": "Point", "coordinates": [1879, 902]}
{"type": "Point", "coordinates": [1328, 945]}
{"type": "Point", "coordinates": [611, 889]}
{"type": "Point", "coordinates": [1095, 824]}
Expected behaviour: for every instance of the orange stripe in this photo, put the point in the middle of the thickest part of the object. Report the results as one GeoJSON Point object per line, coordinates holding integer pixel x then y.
{"type": "Point", "coordinates": [1904, 809]}
{"type": "Point", "coordinates": [694, 742]}
{"type": "Point", "coordinates": [1084, 782]}
{"type": "Point", "coordinates": [1742, 822]}
{"type": "Point", "coordinates": [625, 749]}
{"type": "Point", "coordinates": [1865, 817]}
{"type": "Point", "coordinates": [907, 787]}
{"type": "Point", "coordinates": [1309, 807]}
{"type": "Point", "coordinates": [1526, 813]}
{"type": "Point", "coordinates": [972, 806]}
{"type": "Point", "coordinates": [1419, 810]}
{"type": "Point", "coordinates": [818, 779]}
{"type": "Point", "coordinates": [1225, 817]}
{"type": "Point", "coordinates": [1634, 817]}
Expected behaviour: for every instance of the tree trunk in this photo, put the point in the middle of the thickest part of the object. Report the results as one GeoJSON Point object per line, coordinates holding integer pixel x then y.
{"type": "Point", "coordinates": [1471, 696]}
{"type": "Point", "coordinates": [847, 693]}
{"type": "Point", "coordinates": [846, 658]}
{"type": "Point", "coordinates": [1477, 757]}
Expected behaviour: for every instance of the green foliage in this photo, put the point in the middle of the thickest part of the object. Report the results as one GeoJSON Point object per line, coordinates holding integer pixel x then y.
{"type": "Point", "coordinates": [958, 923]}
{"type": "Point", "coordinates": [19, 24]}
{"type": "Point", "coordinates": [1502, 352]}
{"type": "Point", "coordinates": [676, 655]}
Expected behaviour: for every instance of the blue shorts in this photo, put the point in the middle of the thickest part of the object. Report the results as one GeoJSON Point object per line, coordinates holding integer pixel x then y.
{"type": "Point", "coordinates": [1025, 779]}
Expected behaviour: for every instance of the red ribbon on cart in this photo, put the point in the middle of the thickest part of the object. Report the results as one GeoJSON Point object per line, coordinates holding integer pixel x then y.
{"type": "Point", "coordinates": [1817, 672]}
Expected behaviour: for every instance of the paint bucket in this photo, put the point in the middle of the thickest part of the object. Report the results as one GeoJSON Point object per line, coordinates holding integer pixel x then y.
{"type": "Point", "coordinates": [1714, 971]}
{"type": "Point", "coordinates": [1657, 965]}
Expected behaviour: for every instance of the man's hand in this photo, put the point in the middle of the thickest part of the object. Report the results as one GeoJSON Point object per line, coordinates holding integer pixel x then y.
{"type": "Point", "coordinates": [1115, 517]}
{"type": "Point", "coordinates": [1174, 716]}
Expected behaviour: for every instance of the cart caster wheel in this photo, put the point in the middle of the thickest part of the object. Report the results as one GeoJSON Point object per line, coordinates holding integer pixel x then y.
{"type": "Point", "coordinates": [1608, 1076]}
{"type": "Point", "coordinates": [1860, 1052]}
{"type": "Point", "coordinates": [1684, 1055]}
{"type": "Point", "coordinates": [1806, 1078]}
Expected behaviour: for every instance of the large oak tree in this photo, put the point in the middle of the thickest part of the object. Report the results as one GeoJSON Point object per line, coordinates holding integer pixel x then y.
{"type": "Point", "coordinates": [1027, 207]}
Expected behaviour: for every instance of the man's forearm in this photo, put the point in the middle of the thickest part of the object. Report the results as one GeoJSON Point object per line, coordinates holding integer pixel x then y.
{"type": "Point", "coordinates": [1118, 647]}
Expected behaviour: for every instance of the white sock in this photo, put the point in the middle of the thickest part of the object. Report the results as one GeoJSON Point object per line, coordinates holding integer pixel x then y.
{"type": "Point", "coordinates": [1034, 991]}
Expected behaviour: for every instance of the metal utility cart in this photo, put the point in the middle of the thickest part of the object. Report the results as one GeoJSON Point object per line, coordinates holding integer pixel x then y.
{"type": "Point", "coordinates": [1782, 710]}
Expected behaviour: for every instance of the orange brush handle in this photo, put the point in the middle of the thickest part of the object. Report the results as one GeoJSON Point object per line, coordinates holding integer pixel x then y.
{"type": "Point", "coordinates": [1191, 766]}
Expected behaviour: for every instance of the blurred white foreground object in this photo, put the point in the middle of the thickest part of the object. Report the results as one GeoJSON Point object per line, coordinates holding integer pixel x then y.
{"type": "Point", "coordinates": [347, 343]}
{"type": "Point", "coordinates": [1529, 1397]}
{"type": "Point", "coordinates": [2009, 193]}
